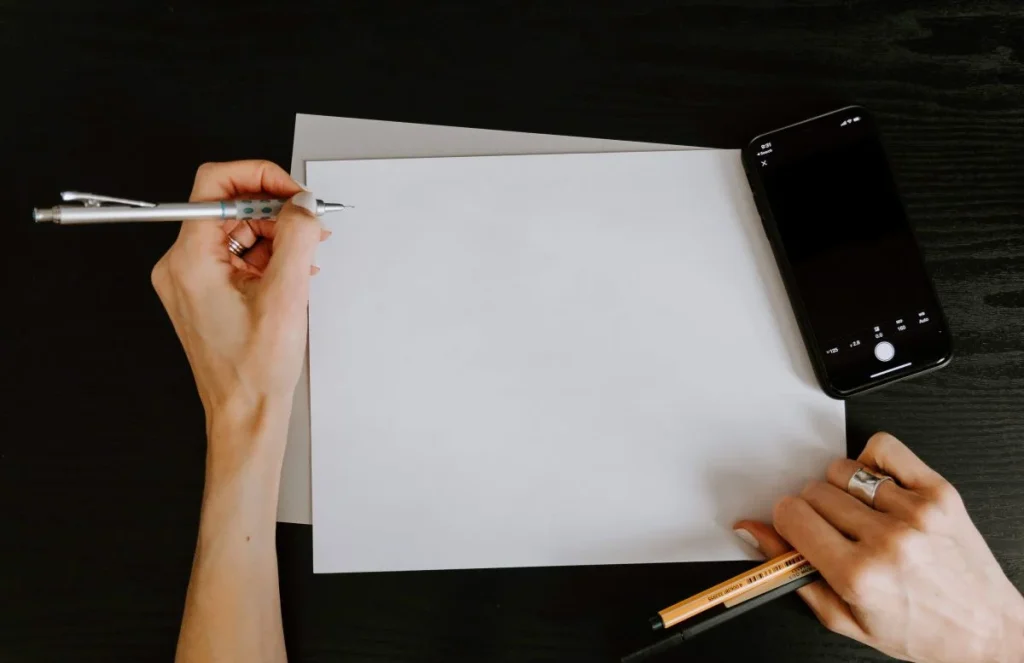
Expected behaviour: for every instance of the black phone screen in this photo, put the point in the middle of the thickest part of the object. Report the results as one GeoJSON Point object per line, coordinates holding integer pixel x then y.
{"type": "Point", "coordinates": [852, 256]}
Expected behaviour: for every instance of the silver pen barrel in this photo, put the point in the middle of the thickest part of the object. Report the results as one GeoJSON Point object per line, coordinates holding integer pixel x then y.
{"type": "Point", "coordinates": [93, 212]}
{"type": "Point", "coordinates": [75, 214]}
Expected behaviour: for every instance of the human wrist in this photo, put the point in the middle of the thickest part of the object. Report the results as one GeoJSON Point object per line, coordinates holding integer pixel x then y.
{"type": "Point", "coordinates": [243, 475]}
{"type": "Point", "coordinates": [247, 435]}
{"type": "Point", "coordinates": [258, 416]}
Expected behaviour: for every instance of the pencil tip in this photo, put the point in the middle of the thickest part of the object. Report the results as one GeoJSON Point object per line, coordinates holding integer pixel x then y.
{"type": "Point", "coordinates": [335, 207]}
{"type": "Point", "coordinates": [656, 623]}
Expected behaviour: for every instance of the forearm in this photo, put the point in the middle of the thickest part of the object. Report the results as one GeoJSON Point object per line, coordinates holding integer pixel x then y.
{"type": "Point", "coordinates": [233, 608]}
{"type": "Point", "coordinates": [242, 324]}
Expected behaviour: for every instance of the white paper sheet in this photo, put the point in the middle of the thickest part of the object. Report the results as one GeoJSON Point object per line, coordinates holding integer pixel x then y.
{"type": "Point", "coordinates": [551, 360]}
{"type": "Point", "coordinates": [321, 137]}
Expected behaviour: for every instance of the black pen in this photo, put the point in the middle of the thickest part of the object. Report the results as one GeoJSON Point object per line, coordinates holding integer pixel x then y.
{"type": "Point", "coordinates": [720, 615]}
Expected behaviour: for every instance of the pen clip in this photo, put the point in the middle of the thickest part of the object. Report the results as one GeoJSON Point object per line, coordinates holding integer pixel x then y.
{"type": "Point", "coordinates": [93, 200]}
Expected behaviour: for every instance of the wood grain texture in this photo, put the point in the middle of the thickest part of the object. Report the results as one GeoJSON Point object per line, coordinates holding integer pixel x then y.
{"type": "Point", "coordinates": [101, 446]}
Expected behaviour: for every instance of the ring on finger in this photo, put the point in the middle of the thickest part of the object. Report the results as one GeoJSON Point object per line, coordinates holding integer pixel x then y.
{"type": "Point", "coordinates": [236, 247]}
{"type": "Point", "coordinates": [241, 238]}
{"type": "Point", "coordinates": [864, 485]}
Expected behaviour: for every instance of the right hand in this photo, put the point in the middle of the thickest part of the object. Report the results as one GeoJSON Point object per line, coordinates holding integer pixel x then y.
{"type": "Point", "coordinates": [911, 577]}
{"type": "Point", "coordinates": [242, 323]}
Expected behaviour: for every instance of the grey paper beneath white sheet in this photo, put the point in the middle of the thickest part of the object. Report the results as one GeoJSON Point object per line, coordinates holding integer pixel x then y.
{"type": "Point", "coordinates": [551, 360]}
{"type": "Point", "coordinates": [320, 137]}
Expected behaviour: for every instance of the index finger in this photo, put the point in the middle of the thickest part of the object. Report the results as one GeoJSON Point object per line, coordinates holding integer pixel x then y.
{"type": "Point", "coordinates": [224, 180]}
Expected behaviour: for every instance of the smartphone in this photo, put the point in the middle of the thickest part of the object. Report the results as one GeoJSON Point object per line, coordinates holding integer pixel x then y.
{"type": "Point", "coordinates": [852, 267]}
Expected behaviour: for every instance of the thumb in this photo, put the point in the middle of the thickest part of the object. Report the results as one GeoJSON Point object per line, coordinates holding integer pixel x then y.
{"type": "Point", "coordinates": [296, 236]}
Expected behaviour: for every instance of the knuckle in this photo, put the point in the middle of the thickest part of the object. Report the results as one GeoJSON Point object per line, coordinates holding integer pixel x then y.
{"type": "Point", "coordinates": [852, 583]}
{"type": "Point", "coordinates": [205, 174]}
{"type": "Point", "coordinates": [158, 275]}
{"type": "Point", "coordinates": [833, 622]}
{"type": "Point", "coordinates": [176, 272]}
{"type": "Point", "coordinates": [879, 443]}
{"type": "Point", "coordinates": [811, 489]}
{"type": "Point", "coordinates": [837, 467]}
{"type": "Point", "coordinates": [783, 508]}
{"type": "Point", "coordinates": [204, 169]}
{"type": "Point", "coordinates": [845, 585]}
{"type": "Point", "coordinates": [948, 497]}
{"type": "Point", "coordinates": [175, 266]}
{"type": "Point", "coordinates": [928, 517]}
{"type": "Point", "coordinates": [897, 545]}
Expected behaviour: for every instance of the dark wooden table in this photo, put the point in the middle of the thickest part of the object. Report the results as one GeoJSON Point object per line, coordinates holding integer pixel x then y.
{"type": "Point", "coordinates": [102, 445]}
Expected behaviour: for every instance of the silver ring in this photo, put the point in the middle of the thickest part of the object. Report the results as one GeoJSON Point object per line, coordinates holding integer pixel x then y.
{"type": "Point", "coordinates": [864, 485]}
{"type": "Point", "coordinates": [236, 247]}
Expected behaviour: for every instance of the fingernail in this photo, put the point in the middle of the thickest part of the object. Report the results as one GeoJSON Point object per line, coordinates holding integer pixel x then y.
{"type": "Point", "coordinates": [314, 270]}
{"type": "Point", "coordinates": [327, 233]}
{"type": "Point", "coordinates": [301, 185]}
{"type": "Point", "coordinates": [306, 201]}
{"type": "Point", "coordinates": [747, 538]}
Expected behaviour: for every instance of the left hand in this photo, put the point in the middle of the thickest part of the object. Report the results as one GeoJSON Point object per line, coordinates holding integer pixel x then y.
{"type": "Point", "coordinates": [910, 576]}
{"type": "Point", "coordinates": [242, 323]}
